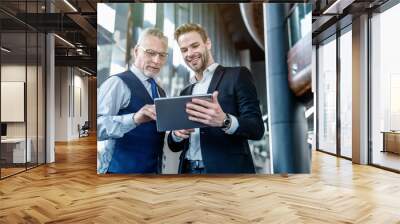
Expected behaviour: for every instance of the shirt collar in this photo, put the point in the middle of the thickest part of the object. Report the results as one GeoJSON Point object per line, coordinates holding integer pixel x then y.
{"type": "Point", "coordinates": [209, 71]}
{"type": "Point", "coordinates": [142, 77]}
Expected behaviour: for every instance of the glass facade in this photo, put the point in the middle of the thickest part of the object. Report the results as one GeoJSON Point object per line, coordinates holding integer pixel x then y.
{"type": "Point", "coordinates": [327, 96]}
{"type": "Point", "coordinates": [385, 89]}
{"type": "Point", "coordinates": [335, 94]}
{"type": "Point", "coordinates": [22, 79]}
{"type": "Point", "coordinates": [299, 23]}
{"type": "Point", "coordinates": [345, 93]}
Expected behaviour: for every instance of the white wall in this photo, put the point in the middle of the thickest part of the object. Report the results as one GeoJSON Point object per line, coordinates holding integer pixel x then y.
{"type": "Point", "coordinates": [13, 73]}
{"type": "Point", "coordinates": [70, 83]}
{"type": "Point", "coordinates": [33, 126]}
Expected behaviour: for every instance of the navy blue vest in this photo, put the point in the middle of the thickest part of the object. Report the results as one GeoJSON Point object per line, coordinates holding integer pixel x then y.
{"type": "Point", "coordinates": [141, 149]}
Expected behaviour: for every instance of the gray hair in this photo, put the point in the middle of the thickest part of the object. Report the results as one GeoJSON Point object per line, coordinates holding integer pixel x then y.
{"type": "Point", "coordinates": [152, 32]}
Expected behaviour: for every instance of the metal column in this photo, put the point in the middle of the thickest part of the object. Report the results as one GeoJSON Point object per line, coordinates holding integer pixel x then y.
{"type": "Point", "coordinates": [287, 122]}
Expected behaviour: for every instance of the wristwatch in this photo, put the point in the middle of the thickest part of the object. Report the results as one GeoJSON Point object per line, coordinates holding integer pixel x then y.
{"type": "Point", "coordinates": [227, 122]}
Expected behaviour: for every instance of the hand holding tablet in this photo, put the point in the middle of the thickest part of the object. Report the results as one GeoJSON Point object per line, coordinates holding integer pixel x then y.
{"type": "Point", "coordinates": [208, 112]}
{"type": "Point", "coordinates": [171, 112]}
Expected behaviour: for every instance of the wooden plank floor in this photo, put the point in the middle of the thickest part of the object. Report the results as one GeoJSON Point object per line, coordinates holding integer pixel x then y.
{"type": "Point", "coordinates": [70, 191]}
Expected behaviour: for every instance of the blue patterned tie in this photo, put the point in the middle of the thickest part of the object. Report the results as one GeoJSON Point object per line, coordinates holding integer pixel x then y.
{"type": "Point", "coordinates": [153, 84]}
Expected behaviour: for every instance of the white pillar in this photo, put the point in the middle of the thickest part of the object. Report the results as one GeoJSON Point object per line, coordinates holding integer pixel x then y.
{"type": "Point", "coordinates": [50, 99]}
{"type": "Point", "coordinates": [360, 90]}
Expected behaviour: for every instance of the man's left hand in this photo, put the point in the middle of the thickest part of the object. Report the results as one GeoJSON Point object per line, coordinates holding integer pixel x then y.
{"type": "Point", "coordinates": [206, 112]}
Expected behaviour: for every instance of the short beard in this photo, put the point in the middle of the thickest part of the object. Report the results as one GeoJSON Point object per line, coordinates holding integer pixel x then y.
{"type": "Point", "coordinates": [150, 74]}
{"type": "Point", "coordinates": [204, 60]}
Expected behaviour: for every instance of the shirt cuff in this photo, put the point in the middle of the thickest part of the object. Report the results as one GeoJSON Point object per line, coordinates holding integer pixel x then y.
{"type": "Point", "coordinates": [176, 138]}
{"type": "Point", "coordinates": [127, 122]}
{"type": "Point", "coordinates": [234, 125]}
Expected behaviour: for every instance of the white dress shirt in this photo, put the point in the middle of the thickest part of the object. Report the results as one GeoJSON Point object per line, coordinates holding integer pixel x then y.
{"type": "Point", "coordinates": [114, 95]}
{"type": "Point", "coordinates": [201, 87]}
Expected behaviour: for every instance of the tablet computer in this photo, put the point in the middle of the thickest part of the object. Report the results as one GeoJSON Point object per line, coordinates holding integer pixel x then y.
{"type": "Point", "coordinates": [171, 112]}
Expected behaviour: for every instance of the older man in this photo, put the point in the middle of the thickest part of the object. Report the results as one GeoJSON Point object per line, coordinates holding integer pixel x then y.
{"type": "Point", "coordinates": [232, 117]}
{"type": "Point", "coordinates": [127, 133]}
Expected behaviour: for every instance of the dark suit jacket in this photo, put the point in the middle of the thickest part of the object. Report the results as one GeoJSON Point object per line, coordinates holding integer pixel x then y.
{"type": "Point", "coordinates": [224, 153]}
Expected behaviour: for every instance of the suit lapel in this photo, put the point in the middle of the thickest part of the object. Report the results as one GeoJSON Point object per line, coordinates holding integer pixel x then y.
{"type": "Point", "coordinates": [217, 76]}
{"type": "Point", "coordinates": [188, 90]}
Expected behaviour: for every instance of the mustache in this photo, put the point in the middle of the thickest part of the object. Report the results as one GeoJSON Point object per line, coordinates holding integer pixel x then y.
{"type": "Point", "coordinates": [154, 66]}
{"type": "Point", "coordinates": [189, 58]}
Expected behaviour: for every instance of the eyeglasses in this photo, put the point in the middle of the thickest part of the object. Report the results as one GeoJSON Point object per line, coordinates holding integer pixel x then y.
{"type": "Point", "coordinates": [153, 53]}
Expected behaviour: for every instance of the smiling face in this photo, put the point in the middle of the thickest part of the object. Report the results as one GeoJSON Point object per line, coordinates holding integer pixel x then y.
{"type": "Point", "coordinates": [148, 58]}
{"type": "Point", "coordinates": [195, 51]}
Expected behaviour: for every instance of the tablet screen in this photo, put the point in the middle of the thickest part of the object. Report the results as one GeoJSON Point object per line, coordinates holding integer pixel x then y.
{"type": "Point", "coordinates": [171, 113]}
